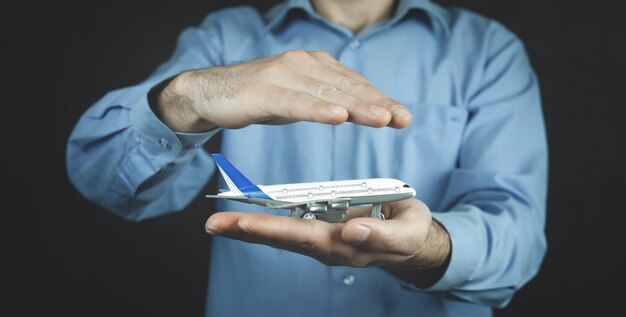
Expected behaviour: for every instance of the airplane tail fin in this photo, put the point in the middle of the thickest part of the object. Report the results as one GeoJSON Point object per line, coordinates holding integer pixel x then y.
{"type": "Point", "coordinates": [236, 181]}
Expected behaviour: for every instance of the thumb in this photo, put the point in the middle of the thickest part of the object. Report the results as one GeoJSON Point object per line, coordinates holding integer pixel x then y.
{"type": "Point", "coordinates": [356, 233]}
{"type": "Point", "coordinates": [394, 236]}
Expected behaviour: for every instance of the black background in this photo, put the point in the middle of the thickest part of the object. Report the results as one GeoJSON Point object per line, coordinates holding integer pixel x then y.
{"type": "Point", "coordinates": [65, 256]}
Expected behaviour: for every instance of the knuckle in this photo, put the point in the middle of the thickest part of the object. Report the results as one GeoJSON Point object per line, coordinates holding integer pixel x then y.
{"type": "Point", "coordinates": [348, 84]}
{"type": "Point", "coordinates": [244, 225]}
{"type": "Point", "coordinates": [352, 85]}
{"type": "Point", "coordinates": [275, 69]}
{"type": "Point", "coordinates": [322, 54]}
{"type": "Point", "coordinates": [383, 102]}
{"type": "Point", "coordinates": [294, 55]}
{"type": "Point", "coordinates": [325, 90]}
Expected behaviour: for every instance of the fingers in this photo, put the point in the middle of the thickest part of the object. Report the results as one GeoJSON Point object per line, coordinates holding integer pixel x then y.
{"type": "Point", "coordinates": [359, 242]}
{"type": "Point", "coordinates": [317, 239]}
{"type": "Point", "coordinates": [224, 223]}
{"type": "Point", "coordinates": [331, 81]}
{"type": "Point", "coordinates": [310, 238]}
{"type": "Point", "coordinates": [360, 112]}
{"type": "Point", "coordinates": [382, 236]}
{"type": "Point", "coordinates": [356, 85]}
{"type": "Point", "coordinates": [289, 106]}
{"type": "Point", "coordinates": [278, 231]}
{"type": "Point", "coordinates": [285, 88]}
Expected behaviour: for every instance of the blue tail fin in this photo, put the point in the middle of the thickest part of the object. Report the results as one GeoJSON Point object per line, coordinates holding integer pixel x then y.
{"type": "Point", "coordinates": [236, 181]}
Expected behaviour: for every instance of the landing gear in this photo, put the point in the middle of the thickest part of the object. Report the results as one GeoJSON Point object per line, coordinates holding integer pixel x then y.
{"type": "Point", "coordinates": [297, 212]}
{"type": "Point", "coordinates": [376, 208]}
{"type": "Point", "coordinates": [309, 216]}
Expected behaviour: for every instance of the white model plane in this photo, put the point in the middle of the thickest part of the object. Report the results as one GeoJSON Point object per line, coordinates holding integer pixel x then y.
{"type": "Point", "coordinates": [328, 201]}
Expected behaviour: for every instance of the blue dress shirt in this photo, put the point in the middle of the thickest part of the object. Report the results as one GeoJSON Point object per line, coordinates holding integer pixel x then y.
{"type": "Point", "coordinates": [475, 152]}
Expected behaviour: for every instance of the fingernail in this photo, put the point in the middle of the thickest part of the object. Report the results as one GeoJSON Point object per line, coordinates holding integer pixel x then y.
{"type": "Point", "coordinates": [337, 109]}
{"type": "Point", "coordinates": [378, 111]}
{"type": "Point", "coordinates": [359, 233]}
{"type": "Point", "coordinates": [401, 112]}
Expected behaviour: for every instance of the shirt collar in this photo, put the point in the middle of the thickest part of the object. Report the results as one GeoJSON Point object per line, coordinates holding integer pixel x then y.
{"type": "Point", "coordinates": [437, 15]}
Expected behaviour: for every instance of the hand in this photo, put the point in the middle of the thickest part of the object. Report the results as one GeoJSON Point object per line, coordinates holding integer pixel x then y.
{"type": "Point", "coordinates": [407, 240]}
{"type": "Point", "coordinates": [284, 88]}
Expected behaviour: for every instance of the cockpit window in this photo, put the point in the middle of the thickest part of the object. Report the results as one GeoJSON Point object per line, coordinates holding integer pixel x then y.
{"type": "Point", "coordinates": [406, 186]}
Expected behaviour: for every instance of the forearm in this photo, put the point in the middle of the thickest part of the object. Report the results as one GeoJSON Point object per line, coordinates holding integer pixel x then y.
{"type": "Point", "coordinates": [175, 103]}
{"type": "Point", "coordinates": [123, 158]}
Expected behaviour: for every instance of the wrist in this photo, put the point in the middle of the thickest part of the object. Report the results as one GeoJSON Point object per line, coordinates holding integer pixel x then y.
{"type": "Point", "coordinates": [174, 105]}
{"type": "Point", "coordinates": [437, 246]}
{"type": "Point", "coordinates": [430, 263]}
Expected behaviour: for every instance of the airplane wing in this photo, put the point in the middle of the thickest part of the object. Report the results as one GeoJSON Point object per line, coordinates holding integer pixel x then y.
{"type": "Point", "coordinates": [228, 197]}
{"type": "Point", "coordinates": [243, 199]}
{"type": "Point", "coordinates": [288, 205]}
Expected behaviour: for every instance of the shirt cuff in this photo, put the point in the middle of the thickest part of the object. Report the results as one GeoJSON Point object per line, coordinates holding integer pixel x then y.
{"type": "Point", "coordinates": [466, 249]}
{"type": "Point", "coordinates": [161, 143]}
{"type": "Point", "coordinates": [194, 140]}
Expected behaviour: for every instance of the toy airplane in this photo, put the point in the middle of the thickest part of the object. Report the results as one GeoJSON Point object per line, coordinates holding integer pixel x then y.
{"type": "Point", "coordinates": [328, 201]}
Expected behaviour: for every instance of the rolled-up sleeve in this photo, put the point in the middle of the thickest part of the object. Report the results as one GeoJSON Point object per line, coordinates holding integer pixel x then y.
{"type": "Point", "coordinates": [121, 156]}
{"type": "Point", "coordinates": [494, 206]}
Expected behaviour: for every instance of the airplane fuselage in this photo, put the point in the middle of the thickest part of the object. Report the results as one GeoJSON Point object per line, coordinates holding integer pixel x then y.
{"type": "Point", "coordinates": [328, 200]}
{"type": "Point", "coordinates": [360, 191]}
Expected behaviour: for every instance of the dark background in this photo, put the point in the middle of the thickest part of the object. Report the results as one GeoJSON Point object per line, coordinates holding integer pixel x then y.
{"type": "Point", "coordinates": [64, 256]}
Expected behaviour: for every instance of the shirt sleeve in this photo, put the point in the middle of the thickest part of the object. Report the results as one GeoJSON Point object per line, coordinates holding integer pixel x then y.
{"type": "Point", "coordinates": [495, 201]}
{"type": "Point", "coordinates": [122, 157]}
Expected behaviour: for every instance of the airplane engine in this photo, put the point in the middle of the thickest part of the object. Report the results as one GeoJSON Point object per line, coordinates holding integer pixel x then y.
{"type": "Point", "coordinates": [343, 205]}
{"type": "Point", "coordinates": [317, 208]}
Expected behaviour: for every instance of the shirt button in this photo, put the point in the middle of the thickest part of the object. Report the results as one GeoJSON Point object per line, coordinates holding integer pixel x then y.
{"type": "Point", "coordinates": [355, 44]}
{"type": "Point", "coordinates": [163, 142]}
{"type": "Point", "coordinates": [349, 279]}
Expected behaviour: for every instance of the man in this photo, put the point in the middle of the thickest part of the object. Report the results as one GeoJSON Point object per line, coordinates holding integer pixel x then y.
{"type": "Point", "coordinates": [441, 98]}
